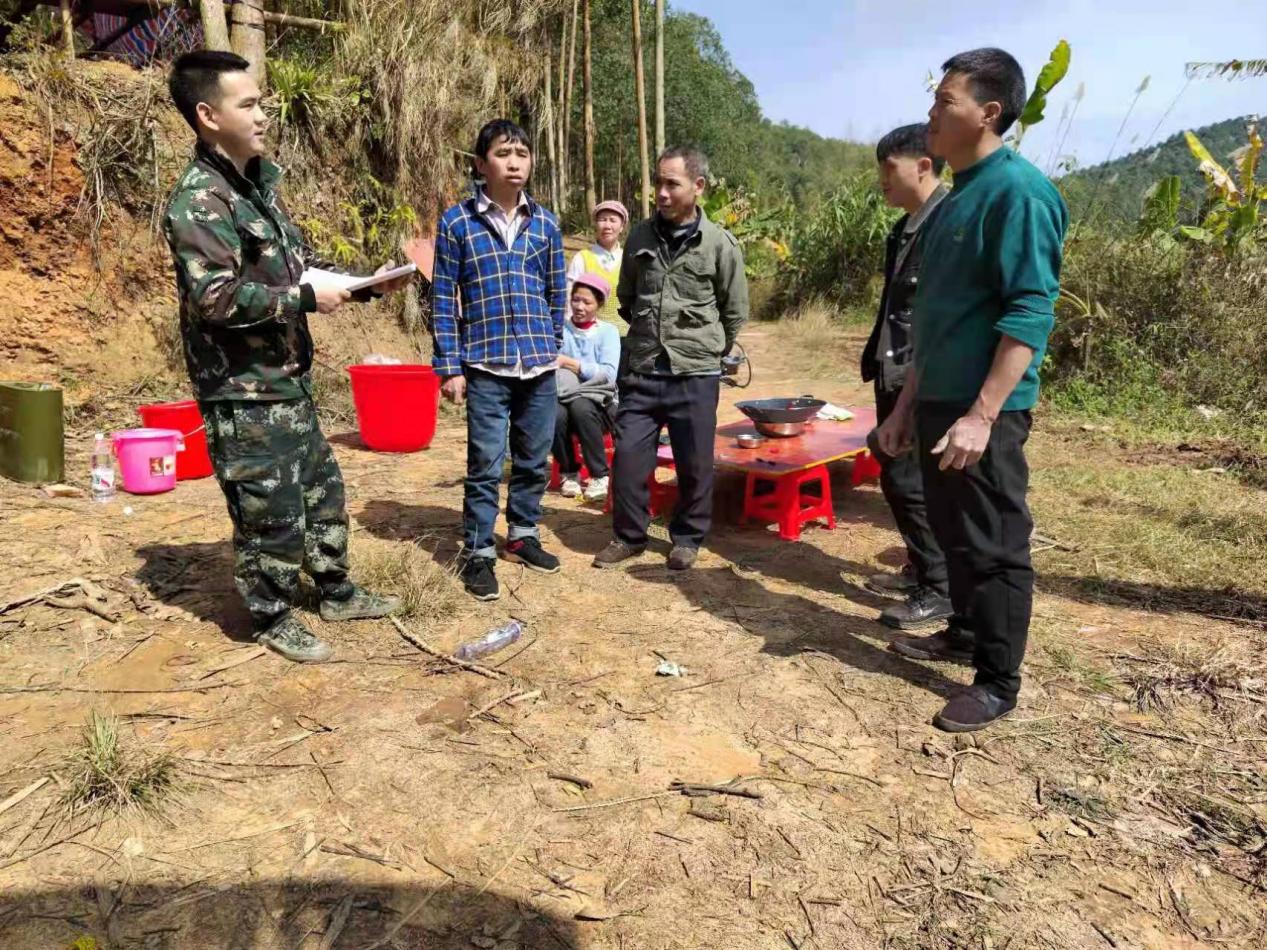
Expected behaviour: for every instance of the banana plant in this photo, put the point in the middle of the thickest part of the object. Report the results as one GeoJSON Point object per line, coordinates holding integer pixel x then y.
{"type": "Point", "coordinates": [1234, 220]}
{"type": "Point", "coordinates": [1049, 77]}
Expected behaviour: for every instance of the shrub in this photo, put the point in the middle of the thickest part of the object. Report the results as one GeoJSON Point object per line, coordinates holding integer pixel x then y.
{"type": "Point", "coordinates": [1149, 321]}
{"type": "Point", "coordinates": [837, 251]}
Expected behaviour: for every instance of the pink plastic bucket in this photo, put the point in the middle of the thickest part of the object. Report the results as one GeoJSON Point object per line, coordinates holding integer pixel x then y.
{"type": "Point", "coordinates": [147, 459]}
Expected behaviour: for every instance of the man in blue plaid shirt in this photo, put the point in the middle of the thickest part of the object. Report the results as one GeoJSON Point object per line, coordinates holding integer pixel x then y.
{"type": "Point", "coordinates": [497, 307]}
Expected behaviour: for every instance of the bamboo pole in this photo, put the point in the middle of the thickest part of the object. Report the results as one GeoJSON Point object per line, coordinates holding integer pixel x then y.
{"type": "Point", "coordinates": [68, 30]}
{"type": "Point", "coordinates": [551, 151]}
{"type": "Point", "coordinates": [246, 33]}
{"type": "Point", "coordinates": [567, 102]}
{"type": "Point", "coordinates": [659, 76]}
{"type": "Point", "coordinates": [591, 196]}
{"type": "Point", "coordinates": [640, 92]}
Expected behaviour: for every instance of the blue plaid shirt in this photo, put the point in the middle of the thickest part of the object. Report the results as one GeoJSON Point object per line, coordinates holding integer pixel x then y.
{"type": "Point", "coordinates": [512, 298]}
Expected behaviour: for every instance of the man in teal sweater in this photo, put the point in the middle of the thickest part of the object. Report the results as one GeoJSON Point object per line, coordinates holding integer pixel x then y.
{"type": "Point", "coordinates": [987, 288]}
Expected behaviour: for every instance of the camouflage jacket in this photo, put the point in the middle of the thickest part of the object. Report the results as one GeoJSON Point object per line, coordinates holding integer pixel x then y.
{"type": "Point", "coordinates": [238, 259]}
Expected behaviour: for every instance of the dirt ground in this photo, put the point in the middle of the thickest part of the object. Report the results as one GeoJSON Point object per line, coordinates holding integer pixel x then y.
{"type": "Point", "coordinates": [390, 799]}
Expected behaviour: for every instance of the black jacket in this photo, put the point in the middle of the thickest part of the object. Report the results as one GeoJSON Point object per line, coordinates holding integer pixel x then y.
{"type": "Point", "coordinates": [896, 304]}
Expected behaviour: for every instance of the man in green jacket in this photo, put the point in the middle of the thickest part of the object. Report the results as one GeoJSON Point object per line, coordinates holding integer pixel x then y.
{"type": "Point", "coordinates": [683, 291]}
{"type": "Point", "coordinates": [988, 284]}
{"type": "Point", "coordinates": [244, 309]}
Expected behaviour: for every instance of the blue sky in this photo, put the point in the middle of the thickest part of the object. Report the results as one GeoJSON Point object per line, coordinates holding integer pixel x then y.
{"type": "Point", "coordinates": [856, 69]}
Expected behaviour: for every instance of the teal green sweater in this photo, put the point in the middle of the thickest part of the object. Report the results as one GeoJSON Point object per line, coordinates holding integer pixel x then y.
{"type": "Point", "coordinates": [990, 267]}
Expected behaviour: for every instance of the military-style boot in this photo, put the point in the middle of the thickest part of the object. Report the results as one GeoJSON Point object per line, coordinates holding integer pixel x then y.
{"type": "Point", "coordinates": [289, 637]}
{"type": "Point", "coordinates": [361, 605]}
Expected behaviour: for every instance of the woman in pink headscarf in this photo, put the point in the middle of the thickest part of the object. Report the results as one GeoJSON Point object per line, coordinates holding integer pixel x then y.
{"type": "Point", "coordinates": [586, 381]}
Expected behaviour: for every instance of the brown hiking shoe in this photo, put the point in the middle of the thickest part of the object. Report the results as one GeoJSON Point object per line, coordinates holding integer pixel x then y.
{"type": "Point", "coordinates": [614, 553]}
{"type": "Point", "coordinates": [947, 646]}
{"type": "Point", "coordinates": [974, 708]}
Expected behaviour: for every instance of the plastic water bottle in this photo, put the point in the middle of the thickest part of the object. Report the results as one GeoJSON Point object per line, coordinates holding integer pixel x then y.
{"type": "Point", "coordinates": [102, 469]}
{"type": "Point", "coordinates": [496, 639]}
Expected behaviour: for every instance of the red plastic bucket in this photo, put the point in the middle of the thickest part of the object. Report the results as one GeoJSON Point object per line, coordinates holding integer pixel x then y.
{"type": "Point", "coordinates": [396, 406]}
{"type": "Point", "coordinates": [192, 461]}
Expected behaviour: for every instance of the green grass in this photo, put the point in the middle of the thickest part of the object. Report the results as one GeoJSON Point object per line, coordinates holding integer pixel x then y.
{"type": "Point", "coordinates": [107, 773]}
{"type": "Point", "coordinates": [1159, 536]}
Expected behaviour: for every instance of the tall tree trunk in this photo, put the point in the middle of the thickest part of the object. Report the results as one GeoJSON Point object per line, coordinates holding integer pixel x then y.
{"type": "Point", "coordinates": [640, 93]}
{"type": "Point", "coordinates": [551, 138]}
{"type": "Point", "coordinates": [591, 196]}
{"type": "Point", "coordinates": [568, 90]}
{"type": "Point", "coordinates": [659, 76]}
{"type": "Point", "coordinates": [247, 36]}
{"type": "Point", "coordinates": [215, 30]}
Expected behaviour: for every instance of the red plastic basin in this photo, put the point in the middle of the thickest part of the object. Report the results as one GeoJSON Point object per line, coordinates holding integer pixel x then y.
{"type": "Point", "coordinates": [396, 406]}
{"type": "Point", "coordinates": [192, 461]}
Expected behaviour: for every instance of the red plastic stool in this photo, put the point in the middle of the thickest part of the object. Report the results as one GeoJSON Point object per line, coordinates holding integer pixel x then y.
{"type": "Point", "coordinates": [788, 505]}
{"type": "Point", "coordinates": [865, 469]}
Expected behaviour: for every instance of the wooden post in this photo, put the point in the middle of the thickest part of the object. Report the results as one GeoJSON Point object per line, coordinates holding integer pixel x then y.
{"type": "Point", "coordinates": [659, 76]}
{"type": "Point", "coordinates": [640, 93]}
{"type": "Point", "coordinates": [247, 36]}
{"type": "Point", "coordinates": [68, 30]}
{"type": "Point", "coordinates": [591, 196]}
{"type": "Point", "coordinates": [215, 29]}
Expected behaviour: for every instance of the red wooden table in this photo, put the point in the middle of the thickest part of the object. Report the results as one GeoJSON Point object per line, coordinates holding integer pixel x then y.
{"type": "Point", "coordinates": [791, 464]}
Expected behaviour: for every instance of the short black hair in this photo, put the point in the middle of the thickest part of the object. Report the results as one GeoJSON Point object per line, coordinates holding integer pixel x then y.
{"type": "Point", "coordinates": [696, 162]}
{"type": "Point", "coordinates": [196, 76]}
{"type": "Point", "coordinates": [498, 129]}
{"type": "Point", "coordinates": [910, 141]}
{"type": "Point", "coordinates": [993, 75]}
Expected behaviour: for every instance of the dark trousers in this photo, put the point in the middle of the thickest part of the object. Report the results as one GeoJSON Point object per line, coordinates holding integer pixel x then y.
{"type": "Point", "coordinates": [982, 522]}
{"type": "Point", "coordinates": [903, 485]}
{"type": "Point", "coordinates": [495, 407]}
{"type": "Point", "coordinates": [589, 422]}
{"type": "Point", "coordinates": [285, 497]}
{"type": "Point", "coordinates": [687, 407]}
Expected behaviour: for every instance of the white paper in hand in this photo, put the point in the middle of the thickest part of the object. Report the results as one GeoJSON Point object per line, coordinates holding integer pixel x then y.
{"type": "Point", "coordinates": [351, 282]}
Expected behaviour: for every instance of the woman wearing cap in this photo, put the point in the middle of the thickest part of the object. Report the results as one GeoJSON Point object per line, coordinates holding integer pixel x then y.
{"type": "Point", "coordinates": [586, 381]}
{"type": "Point", "coordinates": [603, 256]}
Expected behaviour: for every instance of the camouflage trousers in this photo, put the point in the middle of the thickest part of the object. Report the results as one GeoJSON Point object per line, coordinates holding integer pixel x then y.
{"type": "Point", "coordinates": [285, 496]}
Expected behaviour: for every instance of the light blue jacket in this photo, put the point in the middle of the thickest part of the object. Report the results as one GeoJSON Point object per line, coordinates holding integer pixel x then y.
{"type": "Point", "coordinates": [598, 351]}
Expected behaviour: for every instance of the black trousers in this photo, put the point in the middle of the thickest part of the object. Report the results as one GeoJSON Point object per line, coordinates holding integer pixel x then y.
{"type": "Point", "coordinates": [687, 407]}
{"type": "Point", "coordinates": [982, 522]}
{"type": "Point", "coordinates": [589, 422]}
{"type": "Point", "coordinates": [903, 485]}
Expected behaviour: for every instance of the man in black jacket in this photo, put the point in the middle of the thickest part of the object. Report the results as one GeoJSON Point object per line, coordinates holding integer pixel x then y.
{"type": "Point", "coordinates": [909, 177]}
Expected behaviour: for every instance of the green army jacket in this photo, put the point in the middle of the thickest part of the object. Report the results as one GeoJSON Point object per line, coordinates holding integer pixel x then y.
{"type": "Point", "coordinates": [691, 307]}
{"type": "Point", "coordinates": [238, 259]}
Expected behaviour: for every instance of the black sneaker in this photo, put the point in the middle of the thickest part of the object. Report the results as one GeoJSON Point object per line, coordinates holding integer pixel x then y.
{"type": "Point", "coordinates": [480, 578]}
{"type": "Point", "coordinates": [974, 708]}
{"type": "Point", "coordinates": [922, 608]}
{"type": "Point", "coordinates": [951, 645]}
{"type": "Point", "coordinates": [893, 585]}
{"type": "Point", "coordinates": [530, 553]}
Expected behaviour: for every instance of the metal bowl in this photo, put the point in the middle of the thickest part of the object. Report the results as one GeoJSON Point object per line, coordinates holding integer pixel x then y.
{"type": "Point", "coordinates": [796, 409]}
{"type": "Point", "coordinates": [780, 430]}
{"type": "Point", "coordinates": [747, 440]}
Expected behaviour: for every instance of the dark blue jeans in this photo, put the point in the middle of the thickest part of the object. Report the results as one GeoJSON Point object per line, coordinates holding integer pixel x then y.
{"type": "Point", "coordinates": [494, 405]}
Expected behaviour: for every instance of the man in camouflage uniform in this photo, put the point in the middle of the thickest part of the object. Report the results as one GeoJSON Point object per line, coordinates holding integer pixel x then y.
{"type": "Point", "coordinates": [243, 318]}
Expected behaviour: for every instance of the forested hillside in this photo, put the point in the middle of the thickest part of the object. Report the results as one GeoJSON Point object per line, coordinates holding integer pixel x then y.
{"type": "Point", "coordinates": [1113, 192]}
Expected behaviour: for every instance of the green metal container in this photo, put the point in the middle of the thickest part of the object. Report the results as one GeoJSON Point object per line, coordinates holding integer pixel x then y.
{"type": "Point", "coordinates": [32, 441]}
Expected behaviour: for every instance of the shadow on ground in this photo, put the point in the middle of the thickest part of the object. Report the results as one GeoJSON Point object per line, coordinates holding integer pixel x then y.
{"type": "Point", "coordinates": [1226, 604]}
{"type": "Point", "coordinates": [197, 577]}
{"type": "Point", "coordinates": [290, 914]}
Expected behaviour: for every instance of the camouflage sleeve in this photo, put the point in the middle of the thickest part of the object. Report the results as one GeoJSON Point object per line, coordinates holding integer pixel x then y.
{"type": "Point", "coordinates": [208, 257]}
